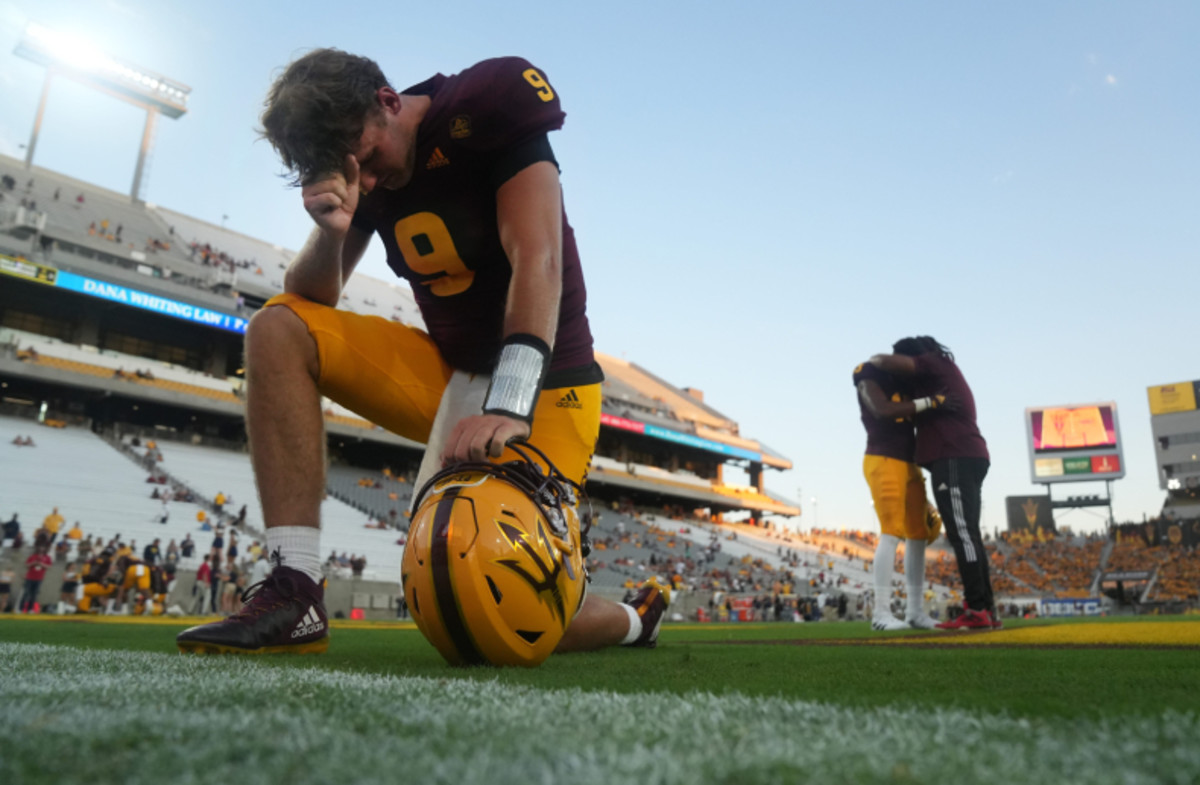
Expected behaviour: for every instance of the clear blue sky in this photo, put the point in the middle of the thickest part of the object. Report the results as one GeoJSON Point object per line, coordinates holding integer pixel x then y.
{"type": "Point", "coordinates": [765, 194]}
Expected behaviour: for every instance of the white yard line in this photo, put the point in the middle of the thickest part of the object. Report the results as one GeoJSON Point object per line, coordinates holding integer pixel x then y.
{"type": "Point", "coordinates": [101, 716]}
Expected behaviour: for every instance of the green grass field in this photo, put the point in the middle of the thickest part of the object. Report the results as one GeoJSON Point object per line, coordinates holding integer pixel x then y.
{"type": "Point", "coordinates": [113, 702]}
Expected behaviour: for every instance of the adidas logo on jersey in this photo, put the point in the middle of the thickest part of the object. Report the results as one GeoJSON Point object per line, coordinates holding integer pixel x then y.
{"type": "Point", "coordinates": [569, 401]}
{"type": "Point", "coordinates": [437, 159]}
{"type": "Point", "coordinates": [310, 624]}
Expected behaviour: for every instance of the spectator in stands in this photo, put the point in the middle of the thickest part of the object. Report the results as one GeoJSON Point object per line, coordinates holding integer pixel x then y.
{"type": "Point", "coordinates": [201, 588]}
{"type": "Point", "coordinates": [214, 582]}
{"type": "Point", "coordinates": [75, 532]}
{"type": "Point", "coordinates": [951, 447]}
{"type": "Point", "coordinates": [84, 551]}
{"type": "Point", "coordinates": [187, 547]}
{"type": "Point", "coordinates": [12, 532]}
{"type": "Point", "coordinates": [62, 550]}
{"type": "Point", "coordinates": [69, 585]}
{"type": "Point", "coordinates": [50, 526]}
{"type": "Point", "coordinates": [151, 553]}
{"type": "Point", "coordinates": [172, 555]}
{"type": "Point", "coordinates": [357, 565]}
{"type": "Point", "coordinates": [229, 588]}
{"type": "Point", "coordinates": [219, 502]}
{"type": "Point", "coordinates": [260, 569]}
{"type": "Point", "coordinates": [36, 565]}
{"type": "Point", "coordinates": [530, 293]}
{"type": "Point", "coordinates": [7, 576]}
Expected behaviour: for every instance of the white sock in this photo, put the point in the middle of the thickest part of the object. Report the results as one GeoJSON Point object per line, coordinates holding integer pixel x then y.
{"type": "Point", "coordinates": [884, 569]}
{"type": "Point", "coordinates": [298, 547]}
{"type": "Point", "coordinates": [635, 625]}
{"type": "Point", "coordinates": [914, 575]}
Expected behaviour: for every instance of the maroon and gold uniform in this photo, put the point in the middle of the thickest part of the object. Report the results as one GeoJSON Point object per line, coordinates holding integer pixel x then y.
{"type": "Point", "coordinates": [482, 127]}
{"type": "Point", "coordinates": [94, 580]}
{"type": "Point", "coordinates": [897, 485]}
{"type": "Point", "coordinates": [156, 594]}
{"type": "Point", "coordinates": [136, 576]}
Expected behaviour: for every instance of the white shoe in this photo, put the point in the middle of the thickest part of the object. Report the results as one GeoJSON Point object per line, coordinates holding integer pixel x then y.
{"type": "Point", "coordinates": [888, 623]}
{"type": "Point", "coordinates": [922, 622]}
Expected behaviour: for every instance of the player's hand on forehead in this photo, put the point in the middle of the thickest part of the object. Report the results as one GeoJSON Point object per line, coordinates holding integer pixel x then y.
{"type": "Point", "coordinates": [332, 199]}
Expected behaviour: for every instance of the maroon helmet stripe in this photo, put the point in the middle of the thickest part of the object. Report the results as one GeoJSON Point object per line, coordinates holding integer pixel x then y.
{"type": "Point", "coordinates": [443, 587]}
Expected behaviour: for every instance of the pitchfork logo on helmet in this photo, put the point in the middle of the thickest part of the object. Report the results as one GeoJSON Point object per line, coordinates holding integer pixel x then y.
{"type": "Point", "coordinates": [493, 570]}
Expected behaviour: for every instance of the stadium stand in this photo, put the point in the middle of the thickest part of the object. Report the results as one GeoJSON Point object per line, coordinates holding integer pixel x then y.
{"type": "Point", "coordinates": [72, 225]}
{"type": "Point", "coordinates": [343, 529]}
{"type": "Point", "coordinates": [77, 472]}
{"type": "Point", "coordinates": [379, 494]}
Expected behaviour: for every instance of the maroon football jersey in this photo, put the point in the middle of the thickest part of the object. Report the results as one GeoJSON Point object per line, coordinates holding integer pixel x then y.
{"type": "Point", "coordinates": [440, 230]}
{"type": "Point", "coordinates": [941, 433]}
{"type": "Point", "coordinates": [890, 438]}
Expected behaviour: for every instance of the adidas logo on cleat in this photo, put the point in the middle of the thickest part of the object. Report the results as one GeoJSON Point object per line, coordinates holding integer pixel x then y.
{"type": "Point", "coordinates": [569, 401]}
{"type": "Point", "coordinates": [310, 624]}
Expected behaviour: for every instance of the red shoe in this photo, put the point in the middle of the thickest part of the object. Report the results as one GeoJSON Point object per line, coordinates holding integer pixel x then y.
{"type": "Point", "coordinates": [971, 620]}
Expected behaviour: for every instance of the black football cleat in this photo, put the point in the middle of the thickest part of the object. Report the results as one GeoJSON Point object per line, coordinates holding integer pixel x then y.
{"type": "Point", "coordinates": [283, 614]}
{"type": "Point", "coordinates": [651, 605]}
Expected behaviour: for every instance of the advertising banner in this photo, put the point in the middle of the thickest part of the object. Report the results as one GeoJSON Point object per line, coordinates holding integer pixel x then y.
{"type": "Point", "coordinates": [678, 437]}
{"type": "Point", "coordinates": [622, 423]}
{"type": "Point", "coordinates": [1055, 606]}
{"type": "Point", "coordinates": [149, 302]}
{"type": "Point", "coordinates": [1170, 398]}
{"type": "Point", "coordinates": [30, 271]}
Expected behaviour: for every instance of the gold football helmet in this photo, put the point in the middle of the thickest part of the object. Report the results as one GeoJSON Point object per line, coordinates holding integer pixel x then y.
{"type": "Point", "coordinates": [933, 523]}
{"type": "Point", "coordinates": [493, 569]}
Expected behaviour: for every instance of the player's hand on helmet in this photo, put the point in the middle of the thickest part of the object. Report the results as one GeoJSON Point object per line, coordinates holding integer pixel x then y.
{"type": "Point", "coordinates": [332, 200]}
{"type": "Point", "coordinates": [482, 436]}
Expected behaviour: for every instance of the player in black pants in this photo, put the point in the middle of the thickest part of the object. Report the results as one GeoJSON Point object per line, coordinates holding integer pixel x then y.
{"type": "Point", "coordinates": [951, 448]}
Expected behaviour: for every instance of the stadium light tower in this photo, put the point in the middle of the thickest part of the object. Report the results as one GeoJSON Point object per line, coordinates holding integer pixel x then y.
{"type": "Point", "coordinates": [64, 55]}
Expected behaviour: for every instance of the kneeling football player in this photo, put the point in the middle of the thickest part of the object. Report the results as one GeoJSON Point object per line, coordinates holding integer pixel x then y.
{"type": "Point", "coordinates": [457, 177]}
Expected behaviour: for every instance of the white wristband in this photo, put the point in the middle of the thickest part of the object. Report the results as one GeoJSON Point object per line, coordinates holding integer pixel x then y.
{"type": "Point", "coordinates": [921, 404]}
{"type": "Point", "coordinates": [517, 380]}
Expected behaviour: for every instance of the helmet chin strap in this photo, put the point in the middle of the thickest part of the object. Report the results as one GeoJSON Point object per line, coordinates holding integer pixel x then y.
{"type": "Point", "coordinates": [549, 490]}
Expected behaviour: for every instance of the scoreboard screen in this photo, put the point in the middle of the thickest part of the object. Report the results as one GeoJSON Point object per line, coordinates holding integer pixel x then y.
{"type": "Point", "coordinates": [1072, 428]}
{"type": "Point", "coordinates": [1076, 443]}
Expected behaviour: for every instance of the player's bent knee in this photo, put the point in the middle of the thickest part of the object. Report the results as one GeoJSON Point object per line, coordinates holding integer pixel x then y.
{"type": "Point", "coordinates": [274, 322]}
{"type": "Point", "coordinates": [273, 331]}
